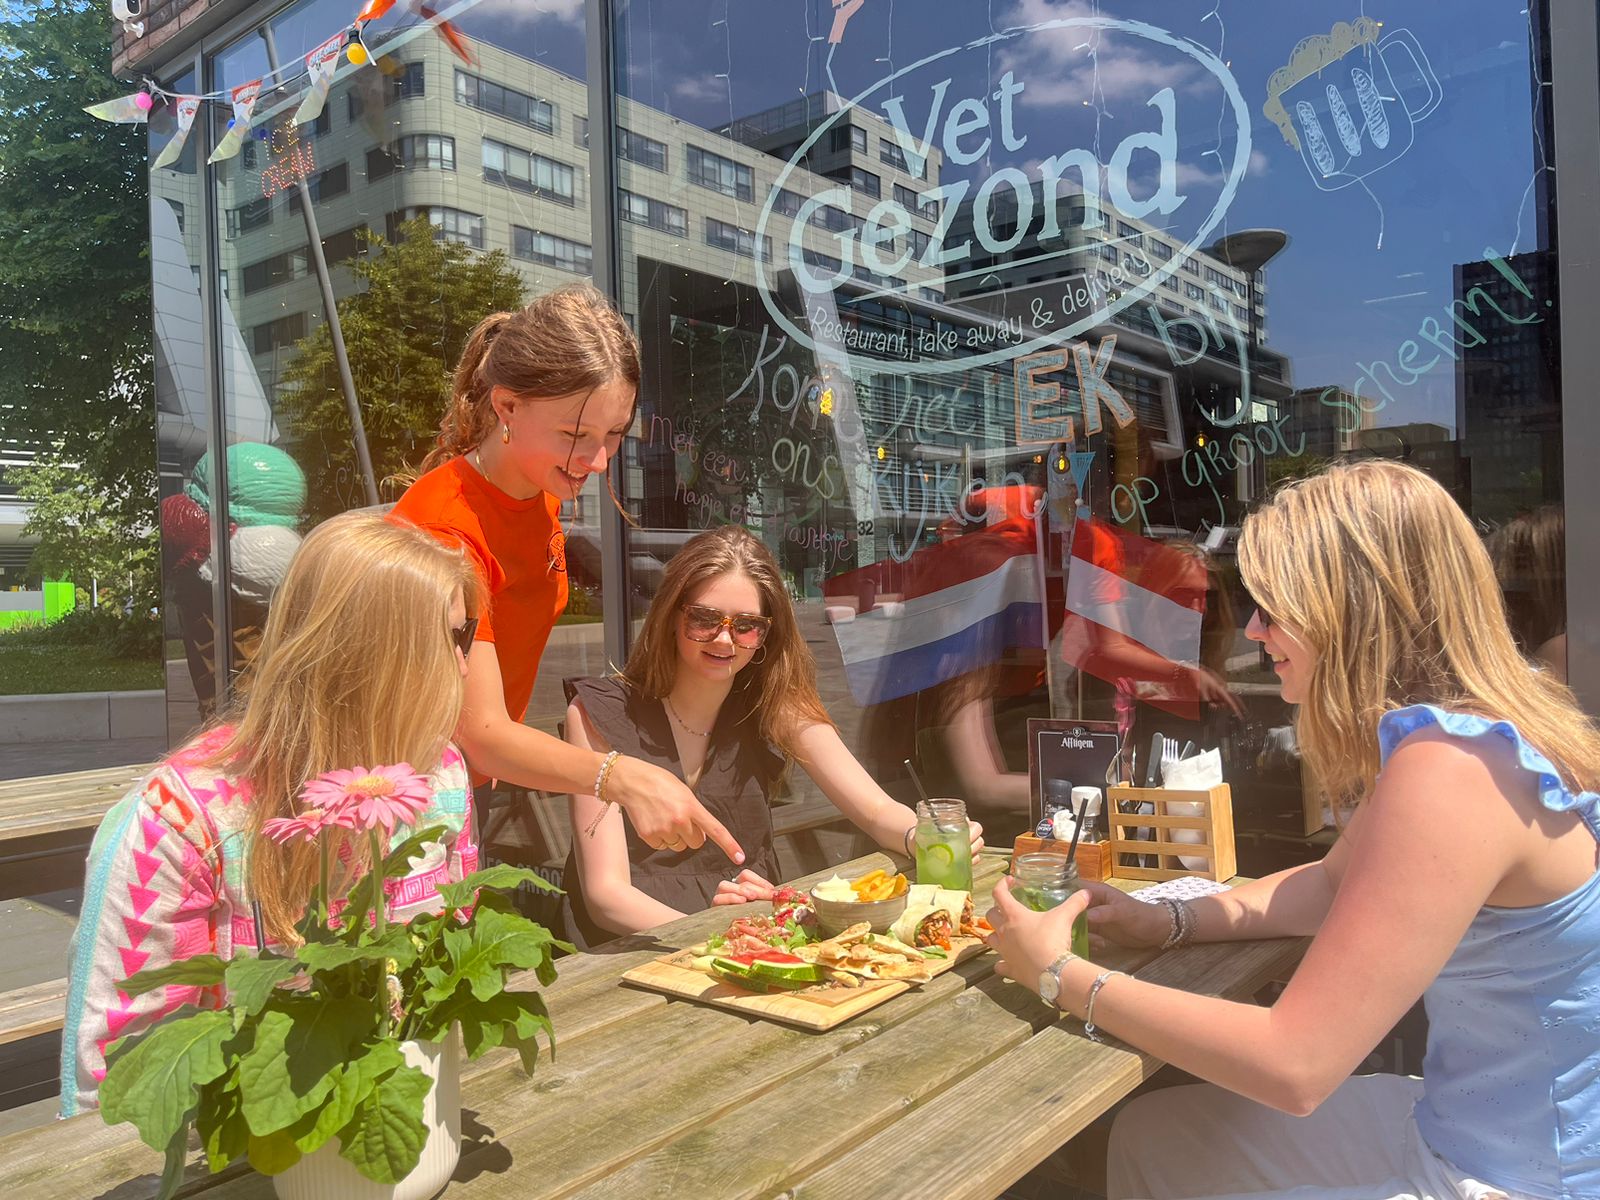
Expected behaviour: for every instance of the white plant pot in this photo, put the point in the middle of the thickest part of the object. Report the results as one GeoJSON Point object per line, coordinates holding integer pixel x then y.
{"type": "Point", "coordinates": [323, 1175]}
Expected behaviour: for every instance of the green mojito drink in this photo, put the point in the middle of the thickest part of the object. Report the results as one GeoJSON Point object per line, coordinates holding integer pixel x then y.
{"type": "Point", "coordinates": [1041, 882]}
{"type": "Point", "coordinates": [944, 845]}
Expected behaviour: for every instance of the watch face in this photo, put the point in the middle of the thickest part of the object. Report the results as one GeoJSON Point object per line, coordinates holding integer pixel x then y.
{"type": "Point", "coordinates": [1049, 986]}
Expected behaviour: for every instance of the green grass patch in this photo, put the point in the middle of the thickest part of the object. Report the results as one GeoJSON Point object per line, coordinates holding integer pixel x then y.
{"type": "Point", "coordinates": [579, 619]}
{"type": "Point", "coordinates": [28, 670]}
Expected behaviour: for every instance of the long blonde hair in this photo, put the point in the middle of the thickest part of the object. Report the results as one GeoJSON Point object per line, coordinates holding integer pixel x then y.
{"type": "Point", "coordinates": [1386, 583]}
{"type": "Point", "coordinates": [356, 667]}
{"type": "Point", "coordinates": [779, 686]}
{"type": "Point", "coordinates": [565, 342]}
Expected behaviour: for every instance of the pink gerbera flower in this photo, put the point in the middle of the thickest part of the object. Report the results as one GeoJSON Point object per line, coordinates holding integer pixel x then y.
{"type": "Point", "coordinates": [378, 798]}
{"type": "Point", "coordinates": [307, 825]}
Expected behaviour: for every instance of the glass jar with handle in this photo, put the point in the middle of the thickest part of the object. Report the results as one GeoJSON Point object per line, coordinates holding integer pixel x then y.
{"type": "Point", "coordinates": [944, 844]}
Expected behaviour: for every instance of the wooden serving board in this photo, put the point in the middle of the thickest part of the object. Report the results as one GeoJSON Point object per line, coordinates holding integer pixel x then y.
{"type": "Point", "coordinates": [821, 1006]}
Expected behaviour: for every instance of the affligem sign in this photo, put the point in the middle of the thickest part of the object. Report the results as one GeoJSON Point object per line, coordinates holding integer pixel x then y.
{"type": "Point", "coordinates": [1140, 178]}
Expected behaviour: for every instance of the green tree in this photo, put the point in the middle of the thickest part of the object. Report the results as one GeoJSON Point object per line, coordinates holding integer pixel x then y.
{"type": "Point", "coordinates": [404, 332]}
{"type": "Point", "coordinates": [80, 539]}
{"type": "Point", "coordinates": [76, 367]}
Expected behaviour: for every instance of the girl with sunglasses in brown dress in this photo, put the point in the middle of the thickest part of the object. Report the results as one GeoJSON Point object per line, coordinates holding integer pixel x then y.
{"type": "Point", "coordinates": [720, 689]}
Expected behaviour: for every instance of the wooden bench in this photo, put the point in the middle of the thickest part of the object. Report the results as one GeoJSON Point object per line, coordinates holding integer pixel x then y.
{"type": "Point", "coordinates": [48, 821]}
{"type": "Point", "coordinates": [30, 1011]}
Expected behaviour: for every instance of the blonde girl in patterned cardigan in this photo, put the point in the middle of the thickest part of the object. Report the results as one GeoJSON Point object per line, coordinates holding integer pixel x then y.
{"type": "Point", "coordinates": [362, 662]}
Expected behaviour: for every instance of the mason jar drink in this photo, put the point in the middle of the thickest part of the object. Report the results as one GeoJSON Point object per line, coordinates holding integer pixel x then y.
{"type": "Point", "coordinates": [1045, 880]}
{"type": "Point", "coordinates": [944, 844]}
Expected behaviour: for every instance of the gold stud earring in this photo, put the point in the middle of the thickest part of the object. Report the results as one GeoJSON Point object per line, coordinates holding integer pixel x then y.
{"type": "Point", "coordinates": [505, 433]}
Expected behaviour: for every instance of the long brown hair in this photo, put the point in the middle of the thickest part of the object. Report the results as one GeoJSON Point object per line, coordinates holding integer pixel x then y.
{"type": "Point", "coordinates": [778, 687]}
{"type": "Point", "coordinates": [356, 667]}
{"type": "Point", "coordinates": [1384, 580]}
{"type": "Point", "coordinates": [1530, 559]}
{"type": "Point", "coordinates": [565, 342]}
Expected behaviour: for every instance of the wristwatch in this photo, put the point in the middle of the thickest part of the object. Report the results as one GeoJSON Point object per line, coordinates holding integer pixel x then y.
{"type": "Point", "coordinates": [1050, 979]}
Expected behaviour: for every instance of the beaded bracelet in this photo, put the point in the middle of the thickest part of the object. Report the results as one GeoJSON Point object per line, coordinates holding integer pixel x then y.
{"type": "Point", "coordinates": [1182, 924]}
{"type": "Point", "coordinates": [1089, 1029]}
{"type": "Point", "coordinates": [600, 777]}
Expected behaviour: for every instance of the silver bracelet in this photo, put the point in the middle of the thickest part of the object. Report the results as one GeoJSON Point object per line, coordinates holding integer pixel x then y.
{"type": "Point", "coordinates": [1089, 1029]}
{"type": "Point", "coordinates": [1172, 912]}
{"type": "Point", "coordinates": [1182, 924]}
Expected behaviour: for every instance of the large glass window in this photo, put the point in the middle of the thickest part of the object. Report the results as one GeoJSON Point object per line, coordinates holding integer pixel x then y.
{"type": "Point", "coordinates": [967, 343]}
{"type": "Point", "coordinates": [365, 182]}
{"type": "Point", "coordinates": [506, 102]}
{"type": "Point", "coordinates": [544, 177]}
{"type": "Point", "coordinates": [420, 151]}
{"type": "Point", "coordinates": [552, 250]}
{"type": "Point", "coordinates": [449, 224]}
{"type": "Point", "coordinates": [637, 148]}
{"type": "Point", "coordinates": [720, 174]}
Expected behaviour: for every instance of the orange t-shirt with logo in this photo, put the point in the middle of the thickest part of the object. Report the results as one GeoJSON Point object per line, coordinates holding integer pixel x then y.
{"type": "Point", "coordinates": [521, 556]}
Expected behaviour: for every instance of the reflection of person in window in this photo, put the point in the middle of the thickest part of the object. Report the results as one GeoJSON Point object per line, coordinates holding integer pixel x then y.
{"type": "Point", "coordinates": [542, 399]}
{"type": "Point", "coordinates": [1466, 875]}
{"type": "Point", "coordinates": [719, 687]}
{"type": "Point", "coordinates": [1530, 560]}
{"type": "Point", "coordinates": [1110, 654]}
{"type": "Point", "coordinates": [266, 497]}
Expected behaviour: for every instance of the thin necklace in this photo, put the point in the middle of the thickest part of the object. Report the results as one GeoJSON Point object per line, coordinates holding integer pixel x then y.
{"type": "Point", "coordinates": [477, 457]}
{"type": "Point", "coordinates": [673, 713]}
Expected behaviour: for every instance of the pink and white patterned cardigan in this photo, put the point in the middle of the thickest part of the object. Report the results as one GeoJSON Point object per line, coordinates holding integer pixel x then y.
{"type": "Point", "coordinates": [167, 880]}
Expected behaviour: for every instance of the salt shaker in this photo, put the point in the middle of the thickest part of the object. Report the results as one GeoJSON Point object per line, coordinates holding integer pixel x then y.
{"type": "Point", "coordinates": [1086, 804]}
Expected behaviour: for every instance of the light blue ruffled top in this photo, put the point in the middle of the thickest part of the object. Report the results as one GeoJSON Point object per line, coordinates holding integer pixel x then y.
{"type": "Point", "coordinates": [1511, 1078]}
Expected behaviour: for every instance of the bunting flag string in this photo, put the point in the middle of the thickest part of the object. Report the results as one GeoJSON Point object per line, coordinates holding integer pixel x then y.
{"type": "Point", "coordinates": [320, 66]}
{"type": "Point", "coordinates": [317, 67]}
{"type": "Point", "coordinates": [124, 110]}
{"type": "Point", "coordinates": [244, 103]}
{"type": "Point", "coordinates": [185, 110]}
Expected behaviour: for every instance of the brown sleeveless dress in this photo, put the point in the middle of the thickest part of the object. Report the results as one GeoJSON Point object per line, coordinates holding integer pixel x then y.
{"type": "Point", "coordinates": [736, 784]}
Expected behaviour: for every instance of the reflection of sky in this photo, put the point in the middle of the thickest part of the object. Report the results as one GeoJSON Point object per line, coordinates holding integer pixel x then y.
{"type": "Point", "coordinates": [1337, 296]}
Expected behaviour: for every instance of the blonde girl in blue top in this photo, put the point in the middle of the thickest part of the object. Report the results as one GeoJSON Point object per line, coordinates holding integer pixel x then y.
{"type": "Point", "coordinates": [1465, 876]}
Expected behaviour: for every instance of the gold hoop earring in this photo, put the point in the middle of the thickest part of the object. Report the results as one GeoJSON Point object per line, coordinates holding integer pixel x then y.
{"type": "Point", "coordinates": [505, 434]}
{"type": "Point", "coordinates": [759, 657]}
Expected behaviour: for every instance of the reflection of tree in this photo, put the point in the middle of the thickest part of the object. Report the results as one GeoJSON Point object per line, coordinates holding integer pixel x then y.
{"type": "Point", "coordinates": [1282, 468]}
{"type": "Point", "coordinates": [76, 373]}
{"type": "Point", "coordinates": [405, 329]}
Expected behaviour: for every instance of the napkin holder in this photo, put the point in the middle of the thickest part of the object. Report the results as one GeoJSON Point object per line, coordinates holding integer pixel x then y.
{"type": "Point", "coordinates": [1212, 811]}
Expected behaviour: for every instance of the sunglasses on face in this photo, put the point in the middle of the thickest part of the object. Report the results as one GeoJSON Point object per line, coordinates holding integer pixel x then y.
{"type": "Point", "coordinates": [702, 624]}
{"type": "Point", "coordinates": [462, 635]}
{"type": "Point", "coordinates": [1262, 615]}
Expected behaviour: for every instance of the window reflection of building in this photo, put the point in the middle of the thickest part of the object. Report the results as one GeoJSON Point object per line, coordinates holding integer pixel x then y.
{"type": "Point", "coordinates": [1330, 418]}
{"type": "Point", "coordinates": [1508, 406]}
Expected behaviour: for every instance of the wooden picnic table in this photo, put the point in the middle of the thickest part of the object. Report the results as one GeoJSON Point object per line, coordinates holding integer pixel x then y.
{"type": "Point", "coordinates": [651, 1096]}
{"type": "Point", "coordinates": [48, 821]}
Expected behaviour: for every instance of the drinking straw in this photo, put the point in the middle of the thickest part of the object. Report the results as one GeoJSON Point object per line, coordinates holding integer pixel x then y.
{"type": "Point", "coordinates": [1077, 832]}
{"type": "Point", "coordinates": [916, 780]}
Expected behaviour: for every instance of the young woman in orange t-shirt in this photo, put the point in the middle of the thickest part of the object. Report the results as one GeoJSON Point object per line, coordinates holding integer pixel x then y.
{"type": "Point", "coordinates": [542, 399]}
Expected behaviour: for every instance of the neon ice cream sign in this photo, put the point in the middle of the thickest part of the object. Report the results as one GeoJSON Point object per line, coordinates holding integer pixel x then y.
{"type": "Point", "coordinates": [967, 128]}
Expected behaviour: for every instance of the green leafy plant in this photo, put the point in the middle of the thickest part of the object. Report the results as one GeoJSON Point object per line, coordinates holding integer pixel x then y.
{"type": "Point", "coordinates": [308, 1048]}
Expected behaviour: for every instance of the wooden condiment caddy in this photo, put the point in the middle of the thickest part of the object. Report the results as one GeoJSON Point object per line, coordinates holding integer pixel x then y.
{"type": "Point", "coordinates": [1091, 857]}
{"type": "Point", "coordinates": [1214, 821]}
